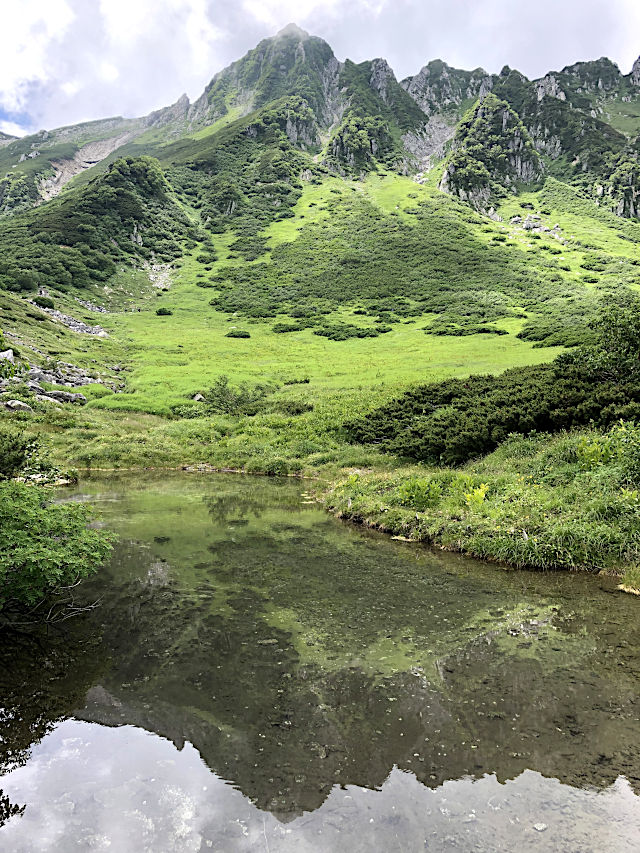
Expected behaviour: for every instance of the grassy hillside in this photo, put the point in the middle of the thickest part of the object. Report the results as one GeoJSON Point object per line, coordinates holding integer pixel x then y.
{"type": "Point", "coordinates": [268, 293]}
{"type": "Point", "coordinates": [170, 358]}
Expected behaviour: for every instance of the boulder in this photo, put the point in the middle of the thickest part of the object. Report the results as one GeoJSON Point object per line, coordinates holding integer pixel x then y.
{"type": "Point", "coordinates": [42, 398]}
{"type": "Point", "coordinates": [17, 406]}
{"type": "Point", "coordinates": [67, 397]}
{"type": "Point", "coordinates": [7, 355]}
{"type": "Point", "coordinates": [198, 398]}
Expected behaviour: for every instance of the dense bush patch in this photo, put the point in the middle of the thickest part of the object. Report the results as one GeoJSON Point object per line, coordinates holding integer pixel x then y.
{"type": "Point", "coordinates": [453, 421]}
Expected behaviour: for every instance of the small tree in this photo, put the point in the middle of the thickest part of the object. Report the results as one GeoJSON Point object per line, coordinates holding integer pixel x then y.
{"type": "Point", "coordinates": [615, 354]}
{"type": "Point", "coordinates": [223, 398]}
{"type": "Point", "coordinates": [15, 453]}
{"type": "Point", "coordinates": [45, 547]}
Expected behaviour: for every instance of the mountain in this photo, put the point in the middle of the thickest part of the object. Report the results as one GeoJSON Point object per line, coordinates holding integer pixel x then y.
{"type": "Point", "coordinates": [583, 121]}
{"type": "Point", "coordinates": [231, 283]}
{"type": "Point", "coordinates": [217, 176]}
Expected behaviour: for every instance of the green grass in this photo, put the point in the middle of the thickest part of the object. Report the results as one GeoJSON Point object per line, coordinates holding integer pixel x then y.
{"type": "Point", "coordinates": [537, 502]}
{"type": "Point", "coordinates": [623, 116]}
{"type": "Point", "coordinates": [169, 359]}
{"type": "Point", "coordinates": [229, 117]}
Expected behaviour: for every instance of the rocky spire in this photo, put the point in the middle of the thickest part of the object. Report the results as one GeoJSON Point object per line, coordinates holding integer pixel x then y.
{"type": "Point", "coordinates": [635, 72]}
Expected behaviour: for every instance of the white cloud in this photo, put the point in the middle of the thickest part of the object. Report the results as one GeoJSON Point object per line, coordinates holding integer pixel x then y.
{"type": "Point", "coordinates": [108, 72]}
{"type": "Point", "coordinates": [278, 13]}
{"type": "Point", "coordinates": [71, 88]}
{"type": "Point", "coordinates": [12, 128]}
{"type": "Point", "coordinates": [31, 28]}
{"type": "Point", "coordinates": [64, 61]}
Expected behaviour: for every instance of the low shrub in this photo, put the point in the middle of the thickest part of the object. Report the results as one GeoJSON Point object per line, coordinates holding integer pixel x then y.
{"type": "Point", "coordinates": [16, 452]}
{"type": "Point", "coordinates": [224, 398]}
{"type": "Point", "coordinates": [45, 547]}
{"type": "Point", "coordinates": [43, 302]}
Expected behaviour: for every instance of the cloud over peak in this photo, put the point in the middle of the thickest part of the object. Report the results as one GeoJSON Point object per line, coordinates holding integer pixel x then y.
{"type": "Point", "coordinates": [66, 61]}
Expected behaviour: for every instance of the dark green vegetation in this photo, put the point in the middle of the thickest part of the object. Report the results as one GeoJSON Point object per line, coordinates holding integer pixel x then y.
{"type": "Point", "coordinates": [432, 262]}
{"type": "Point", "coordinates": [454, 421]}
{"type": "Point", "coordinates": [77, 240]}
{"type": "Point", "coordinates": [538, 501]}
{"type": "Point", "coordinates": [45, 548]}
{"type": "Point", "coordinates": [245, 176]}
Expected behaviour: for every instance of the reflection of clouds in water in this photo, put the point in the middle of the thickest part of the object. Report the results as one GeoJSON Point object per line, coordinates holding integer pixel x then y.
{"type": "Point", "coordinates": [158, 573]}
{"type": "Point", "coordinates": [94, 788]}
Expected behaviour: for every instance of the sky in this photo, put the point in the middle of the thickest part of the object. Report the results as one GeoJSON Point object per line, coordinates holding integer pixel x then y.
{"type": "Point", "coordinates": [67, 61]}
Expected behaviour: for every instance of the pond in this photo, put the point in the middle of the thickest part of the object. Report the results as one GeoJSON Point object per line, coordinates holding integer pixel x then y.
{"type": "Point", "coordinates": [257, 675]}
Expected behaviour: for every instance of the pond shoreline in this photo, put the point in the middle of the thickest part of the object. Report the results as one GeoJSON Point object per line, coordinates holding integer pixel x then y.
{"type": "Point", "coordinates": [393, 532]}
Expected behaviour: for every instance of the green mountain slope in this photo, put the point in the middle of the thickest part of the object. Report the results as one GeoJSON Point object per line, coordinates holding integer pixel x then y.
{"type": "Point", "coordinates": [318, 231]}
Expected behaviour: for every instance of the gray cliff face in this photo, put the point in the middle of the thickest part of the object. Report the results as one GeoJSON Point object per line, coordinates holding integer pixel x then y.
{"type": "Point", "coordinates": [549, 86]}
{"type": "Point", "coordinates": [333, 104]}
{"type": "Point", "coordinates": [168, 115]}
{"type": "Point", "coordinates": [438, 87]}
{"type": "Point", "coordinates": [545, 141]}
{"type": "Point", "coordinates": [381, 76]}
{"type": "Point", "coordinates": [302, 133]}
{"type": "Point", "coordinates": [429, 144]}
{"type": "Point", "coordinates": [635, 72]}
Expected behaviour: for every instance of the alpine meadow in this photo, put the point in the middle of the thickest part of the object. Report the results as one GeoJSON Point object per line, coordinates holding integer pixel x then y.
{"type": "Point", "coordinates": [418, 300]}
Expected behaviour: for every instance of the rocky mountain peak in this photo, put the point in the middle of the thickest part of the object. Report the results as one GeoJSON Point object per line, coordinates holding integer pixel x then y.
{"type": "Point", "coordinates": [635, 72]}
{"type": "Point", "coordinates": [293, 31]}
{"type": "Point", "coordinates": [175, 113]}
{"type": "Point", "coordinates": [600, 75]}
{"type": "Point", "coordinates": [438, 86]}
{"type": "Point", "coordinates": [381, 76]}
{"type": "Point", "coordinates": [550, 86]}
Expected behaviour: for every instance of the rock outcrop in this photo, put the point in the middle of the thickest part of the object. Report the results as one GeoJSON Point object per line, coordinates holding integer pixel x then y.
{"type": "Point", "coordinates": [17, 406]}
{"type": "Point", "coordinates": [86, 157]}
{"type": "Point", "coordinates": [493, 154]}
{"type": "Point", "coordinates": [78, 326]}
{"type": "Point", "coordinates": [438, 87]}
{"type": "Point", "coordinates": [550, 87]}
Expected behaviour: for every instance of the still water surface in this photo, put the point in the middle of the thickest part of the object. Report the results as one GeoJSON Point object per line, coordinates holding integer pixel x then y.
{"type": "Point", "coordinates": [260, 677]}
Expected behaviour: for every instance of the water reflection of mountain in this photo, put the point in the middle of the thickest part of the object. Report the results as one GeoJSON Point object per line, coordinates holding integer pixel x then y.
{"type": "Point", "coordinates": [284, 731]}
{"type": "Point", "coordinates": [296, 654]}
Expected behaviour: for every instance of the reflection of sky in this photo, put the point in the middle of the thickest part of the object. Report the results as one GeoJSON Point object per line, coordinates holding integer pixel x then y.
{"type": "Point", "coordinates": [93, 788]}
